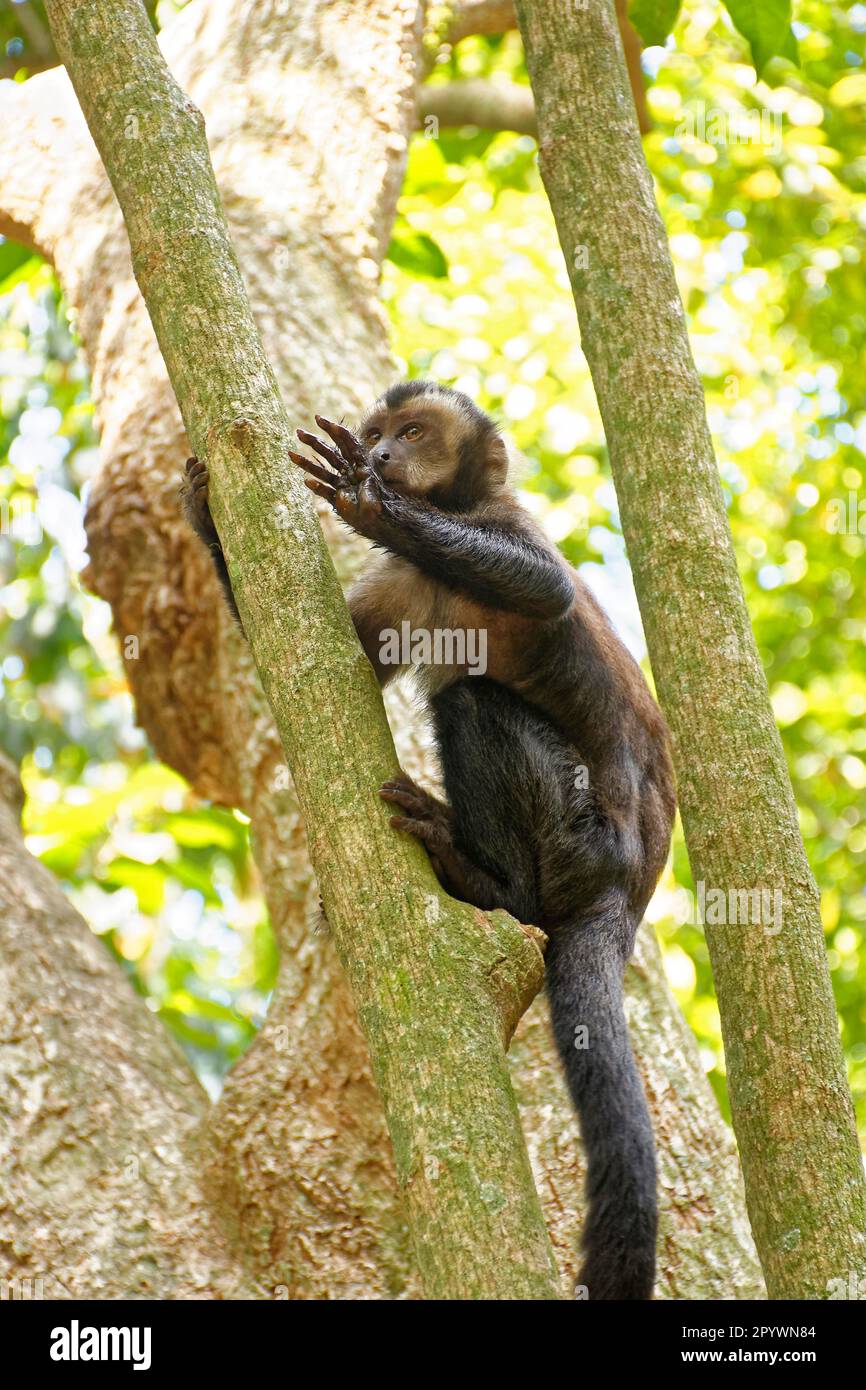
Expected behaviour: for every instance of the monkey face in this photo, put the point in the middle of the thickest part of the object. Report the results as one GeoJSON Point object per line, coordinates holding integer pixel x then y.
{"type": "Point", "coordinates": [430, 441]}
{"type": "Point", "coordinates": [410, 451]}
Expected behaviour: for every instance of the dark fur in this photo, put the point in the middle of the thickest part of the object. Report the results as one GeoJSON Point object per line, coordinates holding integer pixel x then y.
{"type": "Point", "coordinates": [521, 831]}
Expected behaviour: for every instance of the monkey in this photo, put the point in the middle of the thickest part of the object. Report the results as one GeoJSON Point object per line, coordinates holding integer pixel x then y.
{"type": "Point", "coordinates": [555, 758]}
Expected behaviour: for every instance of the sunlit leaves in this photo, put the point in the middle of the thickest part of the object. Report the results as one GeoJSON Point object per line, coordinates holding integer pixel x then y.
{"type": "Point", "coordinates": [767, 26]}
{"type": "Point", "coordinates": [654, 19]}
{"type": "Point", "coordinates": [416, 253]}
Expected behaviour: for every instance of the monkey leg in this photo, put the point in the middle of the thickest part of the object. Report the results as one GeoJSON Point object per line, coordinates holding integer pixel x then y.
{"type": "Point", "coordinates": [520, 810]}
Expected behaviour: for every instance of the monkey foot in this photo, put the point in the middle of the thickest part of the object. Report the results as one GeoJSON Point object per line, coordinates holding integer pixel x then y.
{"type": "Point", "coordinates": [418, 804]}
{"type": "Point", "coordinates": [427, 818]}
{"type": "Point", "coordinates": [431, 822]}
{"type": "Point", "coordinates": [194, 499]}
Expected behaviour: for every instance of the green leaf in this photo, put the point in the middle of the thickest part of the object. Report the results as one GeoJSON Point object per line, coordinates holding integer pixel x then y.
{"type": "Point", "coordinates": [417, 253]}
{"type": "Point", "coordinates": [654, 19]}
{"type": "Point", "coordinates": [205, 829]}
{"type": "Point", "coordinates": [16, 263]}
{"type": "Point", "coordinates": [767, 26]}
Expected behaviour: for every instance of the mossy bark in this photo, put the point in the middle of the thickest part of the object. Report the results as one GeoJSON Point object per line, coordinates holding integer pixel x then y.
{"type": "Point", "coordinates": [789, 1096]}
{"type": "Point", "coordinates": [437, 986]}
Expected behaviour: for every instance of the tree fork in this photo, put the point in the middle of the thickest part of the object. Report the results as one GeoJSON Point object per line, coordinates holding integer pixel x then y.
{"type": "Point", "coordinates": [790, 1101]}
{"type": "Point", "coordinates": [436, 984]}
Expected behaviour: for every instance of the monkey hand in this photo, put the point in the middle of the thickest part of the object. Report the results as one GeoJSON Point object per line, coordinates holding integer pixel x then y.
{"type": "Point", "coordinates": [350, 483]}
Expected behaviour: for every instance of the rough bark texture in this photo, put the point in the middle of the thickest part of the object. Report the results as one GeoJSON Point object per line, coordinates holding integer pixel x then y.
{"type": "Point", "coordinates": [297, 1151]}
{"type": "Point", "coordinates": [100, 1117]}
{"type": "Point", "coordinates": [789, 1097]}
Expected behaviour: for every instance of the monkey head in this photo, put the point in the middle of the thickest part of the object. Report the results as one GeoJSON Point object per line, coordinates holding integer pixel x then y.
{"type": "Point", "coordinates": [426, 440]}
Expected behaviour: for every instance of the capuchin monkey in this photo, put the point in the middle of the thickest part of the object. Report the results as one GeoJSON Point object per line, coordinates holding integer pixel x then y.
{"type": "Point", "coordinates": [556, 762]}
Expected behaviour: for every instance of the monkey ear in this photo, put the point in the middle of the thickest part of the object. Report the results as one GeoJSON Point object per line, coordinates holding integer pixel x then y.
{"type": "Point", "coordinates": [497, 459]}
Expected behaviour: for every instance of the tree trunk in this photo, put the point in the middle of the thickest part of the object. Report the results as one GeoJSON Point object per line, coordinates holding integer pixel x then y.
{"type": "Point", "coordinates": [99, 1180]}
{"type": "Point", "coordinates": [791, 1106]}
{"type": "Point", "coordinates": [297, 1150]}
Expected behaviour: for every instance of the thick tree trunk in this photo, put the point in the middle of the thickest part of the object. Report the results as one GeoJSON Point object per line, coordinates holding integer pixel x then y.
{"type": "Point", "coordinates": [100, 1122]}
{"type": "Point", "coordinates": [789, 1097]}
{"type": "Point", "coordinates": [297, 1149]}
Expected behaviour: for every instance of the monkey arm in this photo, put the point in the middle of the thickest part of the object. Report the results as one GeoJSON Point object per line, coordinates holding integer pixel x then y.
{"type": "Point", "coordinates": [490, 555]}
{"type": "Point", "coordinates": [487, 557]}
{"type": "Point", "coordinates": [196, 508]}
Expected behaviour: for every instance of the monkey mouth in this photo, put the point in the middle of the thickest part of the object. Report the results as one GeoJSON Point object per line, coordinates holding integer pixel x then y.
{"type": "Point", "coordinates": [395, 477]}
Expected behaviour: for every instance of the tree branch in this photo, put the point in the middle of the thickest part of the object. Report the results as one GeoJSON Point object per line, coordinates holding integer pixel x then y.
{"type": "Point", "coordinates": [417, 972]}
{"type": "Point", "coordinates": [790, 1102]}
{"type": "Point", "coordinates": [490, 105]}
{"type": "Point", "coordinates": [479, 17]}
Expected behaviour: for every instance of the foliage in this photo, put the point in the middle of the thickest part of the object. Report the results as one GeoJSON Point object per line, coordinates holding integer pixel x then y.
{"type": "Point", "coordinates": [766, 26]}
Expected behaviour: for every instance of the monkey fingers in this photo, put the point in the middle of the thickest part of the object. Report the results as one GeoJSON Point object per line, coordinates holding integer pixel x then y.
{"type": "Point", "coordinates": [331, 456]}
{"type": "Point", "coordinates": [322, 490]}
{"type": "Point", "coordinates": [194, 496]}
{"type": "Point", "coordinates": [196, 471]}
{"type": "Point", "coordinates": [316, 470]}
{"type": "Point", "coordinates": [351, 448]}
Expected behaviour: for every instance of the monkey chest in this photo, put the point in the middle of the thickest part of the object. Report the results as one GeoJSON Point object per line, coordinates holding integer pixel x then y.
{"type": "Point", "coordinates": [434, 630]}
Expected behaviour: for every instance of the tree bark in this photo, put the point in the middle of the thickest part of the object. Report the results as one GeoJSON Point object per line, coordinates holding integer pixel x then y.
{"type": "Point", "coordinates": [790, 1102]}
{"type": "Point", "coordinates": [327, 1224]}
{"type": "Point", "coordinates": [100, 1123]}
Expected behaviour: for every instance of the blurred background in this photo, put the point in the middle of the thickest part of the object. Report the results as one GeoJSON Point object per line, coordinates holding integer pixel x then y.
{"type": "Point", "coordinates": [763, 190]}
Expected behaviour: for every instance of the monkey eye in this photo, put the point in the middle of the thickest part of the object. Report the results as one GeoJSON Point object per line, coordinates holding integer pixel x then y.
{"type": "Point", "coordinates": [412, 432]}
{"type": "Point", "coordinates": [373, 436]}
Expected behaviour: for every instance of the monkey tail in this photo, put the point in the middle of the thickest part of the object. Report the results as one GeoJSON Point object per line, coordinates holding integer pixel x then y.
{"type": "Point", "coordinates": [584, 983]}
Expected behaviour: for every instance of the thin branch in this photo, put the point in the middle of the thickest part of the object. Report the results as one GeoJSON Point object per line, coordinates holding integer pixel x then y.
{"type": "Point", "coordinates": [480, 17]}
{"type": "Point", "coordinates": [489, 105]}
